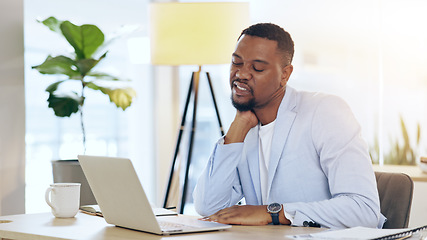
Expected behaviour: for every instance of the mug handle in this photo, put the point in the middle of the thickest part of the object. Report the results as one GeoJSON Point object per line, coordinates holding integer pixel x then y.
{"type": "Point", "coordinates": [47, 197]}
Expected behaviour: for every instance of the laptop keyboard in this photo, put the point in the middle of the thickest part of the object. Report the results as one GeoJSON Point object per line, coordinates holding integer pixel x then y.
{"type": "Point", "coordinates": [174, 227]}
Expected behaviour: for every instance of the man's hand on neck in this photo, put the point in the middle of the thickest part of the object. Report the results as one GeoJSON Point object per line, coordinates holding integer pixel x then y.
{"type": "Point", "coordinates": [242, 123]}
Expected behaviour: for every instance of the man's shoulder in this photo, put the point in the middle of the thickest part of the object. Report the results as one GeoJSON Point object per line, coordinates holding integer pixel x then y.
{"type": "Point", "coordinates": [307, 98]}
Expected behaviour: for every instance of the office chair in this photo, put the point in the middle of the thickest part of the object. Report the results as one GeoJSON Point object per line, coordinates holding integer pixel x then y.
{"type": "Point", "coordinates": [395, 191]}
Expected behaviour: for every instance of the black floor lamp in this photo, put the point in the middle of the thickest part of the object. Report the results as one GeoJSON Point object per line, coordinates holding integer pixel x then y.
{"type": "Point", "coordinates": [192, 91]}
{"type": "Point", "coordinates": [194, 34]}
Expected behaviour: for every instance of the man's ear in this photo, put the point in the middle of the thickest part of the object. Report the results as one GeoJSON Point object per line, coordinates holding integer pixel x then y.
{"type": "Point", "coordinates": [286, 73]}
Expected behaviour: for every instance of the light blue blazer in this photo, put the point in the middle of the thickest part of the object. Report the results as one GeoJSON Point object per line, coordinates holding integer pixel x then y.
{"type": "Point", "coordinates": [319, 169]}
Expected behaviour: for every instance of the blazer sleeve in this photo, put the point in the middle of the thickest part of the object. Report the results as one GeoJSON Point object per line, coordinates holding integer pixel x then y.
{"type": "Point", "coordinates": [345, 161]}
{"type": "Point", "coordinates": [219, 186]}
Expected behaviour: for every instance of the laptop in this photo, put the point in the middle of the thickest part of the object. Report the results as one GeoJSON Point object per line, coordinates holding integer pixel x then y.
{"type": "Point", "coordinates": [123, 202]}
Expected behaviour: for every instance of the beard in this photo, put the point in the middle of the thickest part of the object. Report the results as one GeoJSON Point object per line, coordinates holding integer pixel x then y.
{"type": "Point", "coordinates": [243, 107]}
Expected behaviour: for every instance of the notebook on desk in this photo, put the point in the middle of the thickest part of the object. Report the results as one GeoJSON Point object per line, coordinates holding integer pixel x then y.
{"type": "Point", "coordinates": [123, 202]}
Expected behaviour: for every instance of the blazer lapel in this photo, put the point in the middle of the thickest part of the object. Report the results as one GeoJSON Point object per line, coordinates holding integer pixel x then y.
{"type": "Point", "coordinates": [252, 154]}
{"type": "Point", "coordinates": [284, 120]}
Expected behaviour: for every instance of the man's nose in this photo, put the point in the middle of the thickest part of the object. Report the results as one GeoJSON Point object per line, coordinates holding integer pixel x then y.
{"type": "Point", "coordinates": [243, 73]}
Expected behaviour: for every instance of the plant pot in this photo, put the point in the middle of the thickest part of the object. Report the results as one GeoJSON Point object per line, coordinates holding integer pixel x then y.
{"type": "Point", "coordinates": [70, 171]}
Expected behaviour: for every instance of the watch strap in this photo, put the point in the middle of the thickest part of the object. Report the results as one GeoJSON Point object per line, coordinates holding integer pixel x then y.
{"type": "Point", "coordinates": [275, 218]}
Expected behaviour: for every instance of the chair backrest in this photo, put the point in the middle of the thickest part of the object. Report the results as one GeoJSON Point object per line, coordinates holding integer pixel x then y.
{"type": "Point", "coordinates": [395, 191]}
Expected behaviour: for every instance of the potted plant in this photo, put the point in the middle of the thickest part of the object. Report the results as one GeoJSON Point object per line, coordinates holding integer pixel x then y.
{"type": "Point", "coordinates": [88, 42]}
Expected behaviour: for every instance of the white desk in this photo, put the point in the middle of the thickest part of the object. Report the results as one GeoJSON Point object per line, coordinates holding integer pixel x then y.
{"type": "Point", "coordinates": [44, 226]}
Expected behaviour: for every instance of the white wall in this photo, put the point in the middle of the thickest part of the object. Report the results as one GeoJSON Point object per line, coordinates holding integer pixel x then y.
{"type": "Point", "coordinates": [12, 108]}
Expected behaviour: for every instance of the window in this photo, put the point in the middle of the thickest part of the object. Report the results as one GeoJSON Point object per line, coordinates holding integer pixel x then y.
{"type": "Point", "coordinates": [371, 53]}
{"type": "Point", "coordinates": [110, 131]}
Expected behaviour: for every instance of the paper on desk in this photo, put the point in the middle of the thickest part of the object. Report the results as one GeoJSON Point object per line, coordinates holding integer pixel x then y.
{"type": "Point", "coordinates": [91, 209]}
{"type": "Point", "coordinates": [163, 212]}
{"type": "Point", "coordinates": [356, 233]}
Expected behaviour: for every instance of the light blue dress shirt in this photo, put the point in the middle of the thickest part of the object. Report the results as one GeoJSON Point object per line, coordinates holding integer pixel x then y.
{"type": "Point", "coordinates": [319, 169]}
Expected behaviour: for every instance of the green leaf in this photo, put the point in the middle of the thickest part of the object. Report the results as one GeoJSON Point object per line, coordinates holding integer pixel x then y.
{"type": "Point", "coordinates": [52, 87]}
{"type": "Point", "coordinates": [53, 24]}
{"type": "Point", "coordinates": [85, 39]}
{"type": "Point", "coordinates": [104, 76]}
{"type": "Point", "coordinates": [86, 65]}
{"type": "Point", "coordinates": [122, 97]}
{"type": "Point", "coordinates": [65, 105]}
{"type": "Point", "coordinates": [58, 65]}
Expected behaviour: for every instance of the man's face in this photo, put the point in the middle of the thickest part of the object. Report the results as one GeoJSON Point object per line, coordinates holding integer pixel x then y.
{"type": "Point", "coordinates": [257, 74]}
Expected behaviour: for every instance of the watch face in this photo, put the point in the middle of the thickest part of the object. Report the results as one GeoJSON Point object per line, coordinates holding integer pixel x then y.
{"type": "Point", "coordinates": [274, 207]}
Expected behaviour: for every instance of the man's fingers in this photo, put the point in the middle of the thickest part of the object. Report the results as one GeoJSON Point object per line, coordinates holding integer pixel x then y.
{"type": "Point", "coordinates": [243, 215]}
{"type": "Point", "coordinates": [227, 216]}
{"type": "Point", "coordinates": [207, 219]}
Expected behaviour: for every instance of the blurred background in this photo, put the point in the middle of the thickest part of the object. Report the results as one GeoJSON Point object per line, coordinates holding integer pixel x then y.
{"type": "Point", "coordinates": [371, 53]}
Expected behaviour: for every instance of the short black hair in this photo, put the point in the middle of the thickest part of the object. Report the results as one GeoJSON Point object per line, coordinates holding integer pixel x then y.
{"type": "Point", "coordinates": [271, 31]}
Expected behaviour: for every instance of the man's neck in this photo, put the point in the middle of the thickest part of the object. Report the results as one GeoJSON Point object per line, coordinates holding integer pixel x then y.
{"type": "Point", "coordinates": [268, 113]}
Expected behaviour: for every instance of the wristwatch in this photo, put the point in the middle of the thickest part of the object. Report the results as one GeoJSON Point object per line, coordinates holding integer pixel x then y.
{"type": "Point", "coordinates": [274, 209]}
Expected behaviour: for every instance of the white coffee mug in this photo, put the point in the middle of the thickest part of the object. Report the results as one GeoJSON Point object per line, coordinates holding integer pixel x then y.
{"type": "Point", "coordinates": [64, 199]}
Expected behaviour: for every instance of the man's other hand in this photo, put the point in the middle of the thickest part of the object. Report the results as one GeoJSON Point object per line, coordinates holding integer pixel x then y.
{"type": "Point", "coordinates": [242, 215]}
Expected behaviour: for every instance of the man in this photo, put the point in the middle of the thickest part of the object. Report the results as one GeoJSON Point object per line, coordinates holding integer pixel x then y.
{"type": "Point", "coordinates": [295, 157]}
